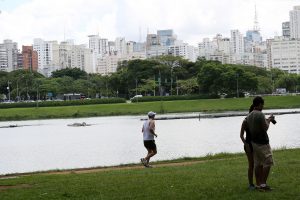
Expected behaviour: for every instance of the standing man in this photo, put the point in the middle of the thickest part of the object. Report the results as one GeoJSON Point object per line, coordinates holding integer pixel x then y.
{"type": "Point", "coordinates": [148, 136]}
{"type": "Point", "coordinates": [248, 149]}
{"type": "Point", "coordinates": [262, 153]}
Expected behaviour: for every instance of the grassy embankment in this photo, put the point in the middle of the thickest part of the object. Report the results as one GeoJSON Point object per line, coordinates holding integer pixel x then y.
{"type": "Point", "coordinates": [219, 177]}
{"type": "Point", "coordinates": [203, 105]}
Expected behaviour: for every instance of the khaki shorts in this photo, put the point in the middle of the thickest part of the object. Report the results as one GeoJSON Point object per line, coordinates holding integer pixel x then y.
{"type": "Point", "coordinates": [262, 155]}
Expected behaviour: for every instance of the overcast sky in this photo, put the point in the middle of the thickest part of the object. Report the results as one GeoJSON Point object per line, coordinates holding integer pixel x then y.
{"type": "Point", "coordinates": [191, 20]}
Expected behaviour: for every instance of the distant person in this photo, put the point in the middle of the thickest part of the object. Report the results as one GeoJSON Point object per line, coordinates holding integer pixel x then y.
{"type": "Point", "coordinates": [248, 149]}
{"type": "Point", "coordinates": [148, 137]}
{"type": "Point", "coordinates": [78, 124]}
{"type": "Point", "coordinates": [262, 153]}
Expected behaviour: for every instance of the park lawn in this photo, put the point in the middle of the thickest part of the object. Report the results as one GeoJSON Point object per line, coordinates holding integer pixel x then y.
{"type": "Point", "coordinates": [216, 178]}
{"type": "Point", "coordinates": [202, 105]}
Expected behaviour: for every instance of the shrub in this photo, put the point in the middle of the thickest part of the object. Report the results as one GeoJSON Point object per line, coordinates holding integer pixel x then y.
{"type": "Point", "coordinates": [62, 103]}
{"type": "Point", "coordinates": [172, 98]}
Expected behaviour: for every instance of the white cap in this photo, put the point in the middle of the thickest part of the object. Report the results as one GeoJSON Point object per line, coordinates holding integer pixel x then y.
{"type": "Point", "coordinates": [151, 114]}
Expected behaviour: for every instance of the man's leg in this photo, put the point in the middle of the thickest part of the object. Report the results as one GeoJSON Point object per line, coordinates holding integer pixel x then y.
{"type": "Point", "coordinates": [258, 174]}
{"type": "Point", "coordinates": [151, 153]}
{"type": "Point", "coordinates": [266, 171]}
{"type": "Point", "coordinates": [250, 164]}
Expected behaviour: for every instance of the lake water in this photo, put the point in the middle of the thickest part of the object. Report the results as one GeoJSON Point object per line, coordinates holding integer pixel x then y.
{"type": "Point", "coordinates": [50, 144]}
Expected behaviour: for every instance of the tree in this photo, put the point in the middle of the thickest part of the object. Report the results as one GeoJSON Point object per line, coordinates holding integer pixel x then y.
{"type": "Point", "coordinates": [209, 78]}
{"type": "Point", "coordinates": [147, 87]}
{"type": "Point", "coordinates": [74, 73]}
{"type": "Point", "coordinates": [288, 81]}
{"type": "Point", "coordinates": [264, 86]}
{"type": "Point", "coordinates": [189, 86]}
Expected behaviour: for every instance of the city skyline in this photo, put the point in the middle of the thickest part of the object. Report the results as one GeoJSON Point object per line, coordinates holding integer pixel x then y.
{"type": "Point", "coordinates": [191, 20]}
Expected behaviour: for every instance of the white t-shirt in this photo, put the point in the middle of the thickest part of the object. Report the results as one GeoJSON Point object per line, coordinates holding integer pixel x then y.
{"type": "Point", "coordinates": [147, 135]}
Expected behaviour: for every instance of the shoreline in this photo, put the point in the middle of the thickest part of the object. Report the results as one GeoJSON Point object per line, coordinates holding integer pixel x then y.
{"type": "Point", "coordinates": [219, 115]}
{"type": "Point", "coordinates": [163, 163]}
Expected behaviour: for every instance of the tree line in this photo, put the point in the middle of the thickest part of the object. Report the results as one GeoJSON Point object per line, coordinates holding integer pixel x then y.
{"type": "Point", "coordinates": [164, 75]}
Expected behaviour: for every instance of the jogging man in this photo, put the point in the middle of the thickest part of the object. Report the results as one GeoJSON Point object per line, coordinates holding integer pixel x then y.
{"type": "Point", "coordinates": [262, 153]}
{"type": "Point", "coordinates": [148, 136]}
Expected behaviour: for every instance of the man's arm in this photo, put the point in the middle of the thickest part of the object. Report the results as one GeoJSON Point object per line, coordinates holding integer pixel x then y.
{"type": "Point", "coordinates": [243, 128]}
{"type": "Point", "coordinates": [265, 122]}
{"type": "Point", "coordinates": [152, 127]}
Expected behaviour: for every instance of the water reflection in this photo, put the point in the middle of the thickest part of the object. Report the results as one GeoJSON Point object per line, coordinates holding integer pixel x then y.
{"type": "Point", "coordinates": [51, 144]}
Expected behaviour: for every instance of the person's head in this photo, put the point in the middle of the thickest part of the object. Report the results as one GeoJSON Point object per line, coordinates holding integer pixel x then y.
{"type": "Point", "coordinates": [258, 103]}
{"type": "Point", "coordinates": [151, 114]}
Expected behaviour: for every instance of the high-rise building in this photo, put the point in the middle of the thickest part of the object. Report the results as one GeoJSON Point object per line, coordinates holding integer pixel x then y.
{"type": "Point", "coordinates": [48, 56]}
{"type": "Point", "coordinates": [237, 42]}
{"type": "Point", "coordinates": [285, 54]}
{"type": "Point", "coordinates": [252, 39]}
{"type": "Point", "coordinates": [8, 56]}
{"type": "Point", "coordinates": [76, 56]}
{"type": "Point", "coordinates": [153, 47]}
{"type": "Point", "coordinates": [237, 47]}
{"type": "Point", "coordinates": [30, 58]}
{"type": "Point", "coordinates": [152, 40]}
{"type": "Point", "coordinates": [218, 49]}
{"type": "Point", "coordinates": [183, 50]}
{"type": "Point", "coordinates": [3, 58]}
{"type": "Point", "coordinates": [98, 45]}
{"type": "Point", "coordinates": [53, 56]}
{"type": "Point", "coordinates": [120, 45]}
{"type": "Point", "coordinates": [20, 61]}
{"type": "Point", "coordinates": [295, 22]}
{"type": "Point", "coordinates": [166, 37]}
{"type": "Point", "coordinates": [286, 30]}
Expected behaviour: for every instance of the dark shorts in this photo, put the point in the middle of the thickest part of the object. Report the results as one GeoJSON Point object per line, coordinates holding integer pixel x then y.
{"type": "Point", "coordinates": [150, 144]}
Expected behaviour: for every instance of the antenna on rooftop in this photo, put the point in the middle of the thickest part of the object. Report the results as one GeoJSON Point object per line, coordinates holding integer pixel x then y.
{"type": "Point", "coordinates": [256, 25]}
{"type": "Point", "coordinates": [140, 34]}
{"type": "Point", "coordinates": [64, 31]}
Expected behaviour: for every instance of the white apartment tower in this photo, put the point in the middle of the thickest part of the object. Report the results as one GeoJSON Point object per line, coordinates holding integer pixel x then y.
{"type": "Point", "coordinates": [98, 45]}
{"type": "Point", "coordinates": [237, 42]}
{"type": "Point", "coordinates": [8, 56]}
{"type": "Point", "coordinates": [48, 56]}
{"type": "Point", "coordinates": [120, 45]}
{"type": "Point", "coordinates": [237, 47]}
{"type": "Point", "coordinates": [183, 50]}
{"type": "Point", "coordinates": [286, 54]}
{"type": "Point", "coordinates": [295, 22]}
{"type": "Point", "coordinates": [75, 56]}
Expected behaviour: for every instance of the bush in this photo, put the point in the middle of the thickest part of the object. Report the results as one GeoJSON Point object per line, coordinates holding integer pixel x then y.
{"type": "Point", "coordinates": [172, 98]}
{"type": "Point", "coordinates": [62, 103]}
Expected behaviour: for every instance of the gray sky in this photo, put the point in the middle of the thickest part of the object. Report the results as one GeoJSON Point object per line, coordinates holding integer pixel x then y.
{"type": "Point", "coordinates": [191, 20]}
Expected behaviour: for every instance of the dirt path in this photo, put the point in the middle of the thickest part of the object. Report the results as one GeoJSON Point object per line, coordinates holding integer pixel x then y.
{"type": "Point", "coordinates": [101, 169]}
{"type": "Point", "coordinates": [113, 168]}
{"type": "Point", "coordinates": [5, 187]}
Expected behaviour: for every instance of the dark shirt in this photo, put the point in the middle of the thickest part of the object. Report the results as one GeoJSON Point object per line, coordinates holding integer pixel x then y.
{"type": "Point", "coordinates": [248, 136]}
{"type": "Point", "coordinates": [258, 127]}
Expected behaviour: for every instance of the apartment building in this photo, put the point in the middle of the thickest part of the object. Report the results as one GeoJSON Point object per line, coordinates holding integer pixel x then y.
{"type": "Point", "coordinates": [183, 50]}
{"type": "Point", "coordinates": [286, 54]}
{"type": "Point", "coordinates": [29, 58]}
{"type": "Point", "coordinates": [8, 56]}
{"type": "Point", "coordinates": [295, 22]}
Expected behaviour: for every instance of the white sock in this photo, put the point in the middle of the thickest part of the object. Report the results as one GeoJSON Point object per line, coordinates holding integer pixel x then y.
{"type": "Point", "coordinates": [263, 185]}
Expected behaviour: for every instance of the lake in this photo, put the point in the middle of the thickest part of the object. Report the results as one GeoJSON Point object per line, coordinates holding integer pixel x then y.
{"type": "Point", "coordinates": [41, 145]}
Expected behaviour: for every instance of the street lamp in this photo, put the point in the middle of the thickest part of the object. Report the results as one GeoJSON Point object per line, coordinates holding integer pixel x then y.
{"type": "Point", "coordinates": [175, 64]}
{"type": "Point", "coordinates": [8, 88]}
{"type": "Point", "coordinates": [135, 86]}
{"type": "Point", "coordinates": [237, 85]}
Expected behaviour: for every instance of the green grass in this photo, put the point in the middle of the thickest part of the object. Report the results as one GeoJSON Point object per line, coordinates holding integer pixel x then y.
{"type": "Point", "coordinates": [203, 105]}
{"type": "Point", "coordinates": [215, 179]}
